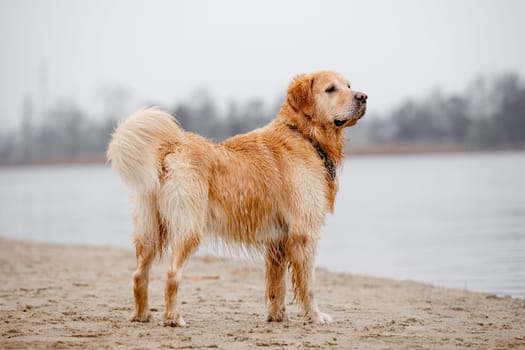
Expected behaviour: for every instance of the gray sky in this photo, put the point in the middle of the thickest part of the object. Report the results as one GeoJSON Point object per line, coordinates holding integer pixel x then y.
{"type": "Point", "coordinates": [164, 50]}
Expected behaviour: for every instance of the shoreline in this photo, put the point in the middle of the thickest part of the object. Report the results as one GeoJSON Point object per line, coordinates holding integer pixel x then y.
{"type": "Point", "coordinates": [64, 296]}
{"type": "Point", "coordinates": [208, 252]}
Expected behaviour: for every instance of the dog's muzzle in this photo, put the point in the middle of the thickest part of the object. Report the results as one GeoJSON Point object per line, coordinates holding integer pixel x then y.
{"type": "Point", "coordinates": [359, 110]}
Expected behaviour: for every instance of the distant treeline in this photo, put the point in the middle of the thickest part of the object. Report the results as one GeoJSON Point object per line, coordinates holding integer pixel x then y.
{"type": "Point", "coordinates": [489, 114]}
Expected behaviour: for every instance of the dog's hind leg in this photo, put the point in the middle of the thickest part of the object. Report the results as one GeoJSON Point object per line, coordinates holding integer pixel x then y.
{"type": "Point", "coordinates": [181, 250]}
{"type": "Point", "coordinates": [183, 200]}
{"type": "Point", "coordinates": [145, 255]}
{"type": "Point", "coordinates": [146, 232]}
{"type": "Point", "coordinates": [300, 251]}
{"type": "Point", "coordinates": [275, 281]}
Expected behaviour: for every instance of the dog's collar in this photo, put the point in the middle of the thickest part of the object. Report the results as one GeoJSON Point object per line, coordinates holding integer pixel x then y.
{"type": "Point", "coordinates": [328, 164]}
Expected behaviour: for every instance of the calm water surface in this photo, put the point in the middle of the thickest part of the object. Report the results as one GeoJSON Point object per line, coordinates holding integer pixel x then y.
{"type": "Point", "coordinates": [450, 220]}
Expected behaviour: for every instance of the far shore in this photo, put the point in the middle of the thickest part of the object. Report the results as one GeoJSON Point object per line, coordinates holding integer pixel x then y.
{"type": "Point", "coordinates": [57, 296]}
{"type": "Point", "coordinates": [350, 151]}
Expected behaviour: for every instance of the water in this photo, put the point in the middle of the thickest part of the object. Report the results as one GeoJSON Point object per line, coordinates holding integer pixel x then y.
{"type": "Point", "coordinates": [65, 204]}
{"type": "Point", "coordinates": [450, 220]}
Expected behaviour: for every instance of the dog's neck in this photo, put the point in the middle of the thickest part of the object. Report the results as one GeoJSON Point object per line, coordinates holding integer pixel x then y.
{"type": "Point", "coordinates": [329, 165]}
{"type": "Point", "coordinates": [327, 141]}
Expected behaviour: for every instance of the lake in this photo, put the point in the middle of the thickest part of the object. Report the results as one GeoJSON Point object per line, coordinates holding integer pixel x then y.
{"type": "Point", "coordinates": [455, 220]}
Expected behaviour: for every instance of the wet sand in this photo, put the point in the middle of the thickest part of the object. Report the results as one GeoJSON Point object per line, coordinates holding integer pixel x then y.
{"type": "Point", "coordinates": [69, 296]}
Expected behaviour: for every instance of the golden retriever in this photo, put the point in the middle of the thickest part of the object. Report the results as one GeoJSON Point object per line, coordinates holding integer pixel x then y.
{"type": "Point", "coordinates": [267, 191]}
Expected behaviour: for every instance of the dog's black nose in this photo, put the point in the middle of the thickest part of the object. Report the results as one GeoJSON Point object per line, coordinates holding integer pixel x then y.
{"type": "Point", "coordinates": [360, 96]}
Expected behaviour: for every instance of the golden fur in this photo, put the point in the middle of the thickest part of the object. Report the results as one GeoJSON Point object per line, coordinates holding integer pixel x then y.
{"type": "Point", "coordinates": [267, 191]}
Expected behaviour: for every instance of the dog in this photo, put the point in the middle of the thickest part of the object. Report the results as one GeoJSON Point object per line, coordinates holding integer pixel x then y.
{"type": "Point", "coordinates": [267, 191]}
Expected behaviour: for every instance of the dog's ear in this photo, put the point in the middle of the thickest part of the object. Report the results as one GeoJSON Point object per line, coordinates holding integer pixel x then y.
{"type": "Point", "coordinates": [300, 95]}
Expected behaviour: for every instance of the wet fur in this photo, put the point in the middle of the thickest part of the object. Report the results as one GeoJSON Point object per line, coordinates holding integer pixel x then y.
{"type": "Point", "coordinates": [266, 191]}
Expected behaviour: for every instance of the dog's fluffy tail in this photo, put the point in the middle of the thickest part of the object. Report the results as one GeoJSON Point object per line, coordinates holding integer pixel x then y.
{"type": "Point", "coordinates": [135, 145]}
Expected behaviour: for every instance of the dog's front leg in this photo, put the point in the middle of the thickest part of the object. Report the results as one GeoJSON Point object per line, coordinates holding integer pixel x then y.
{"type": "Point", "coordinates": [275, 281]}
{"type": "Point", "coordinates": [300, 251]}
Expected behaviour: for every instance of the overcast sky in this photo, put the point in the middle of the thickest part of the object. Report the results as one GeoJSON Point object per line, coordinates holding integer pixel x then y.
{"type": "Point", "coordinates": [162, 51]}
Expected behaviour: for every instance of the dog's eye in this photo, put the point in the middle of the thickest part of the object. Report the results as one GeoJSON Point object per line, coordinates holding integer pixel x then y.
{"type": "Point", "coordinates": [330, 89]}
{"type": "Point", "coordinates": [348, 86]}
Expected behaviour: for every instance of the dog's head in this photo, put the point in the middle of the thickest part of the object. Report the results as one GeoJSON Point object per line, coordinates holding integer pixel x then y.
{"type": "Point", "coordinates": [326, 98]}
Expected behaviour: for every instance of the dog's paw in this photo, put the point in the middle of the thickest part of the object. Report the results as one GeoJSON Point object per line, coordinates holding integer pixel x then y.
{"type": "Point", "coordinates": [277, 314]}
{"type": "Point", "coordinates": [142, 318]}
{"type": "Point", "coordinates": [277, 317]}
{"type": "Point", "coordinates": [174, 321]}
{"type": "Point", "coordinates": [320, 318]}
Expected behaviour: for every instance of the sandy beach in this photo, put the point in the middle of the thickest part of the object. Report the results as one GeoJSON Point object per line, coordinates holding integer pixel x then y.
{"type": "Point", "coordinates": [70, 296]}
